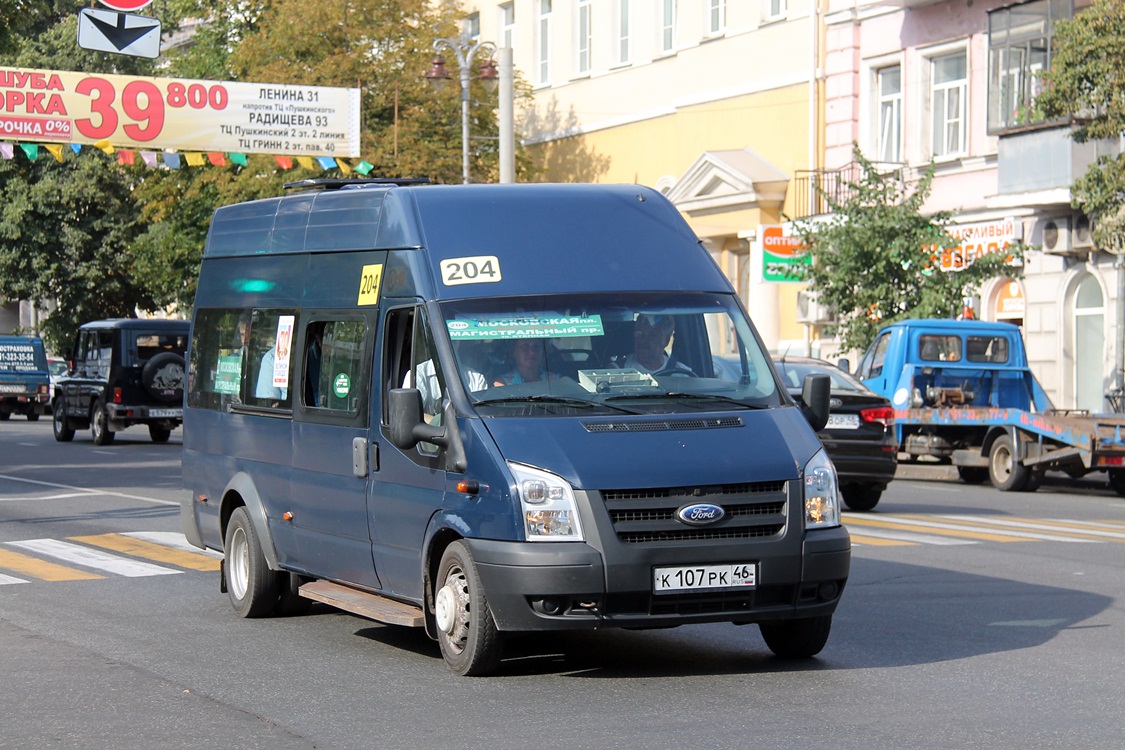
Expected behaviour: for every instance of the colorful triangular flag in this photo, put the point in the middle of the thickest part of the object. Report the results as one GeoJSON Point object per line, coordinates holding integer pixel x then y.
{"type": "Point", "coordinates": [194, 159]}
{"type": "Point", "coordinates": [364, 167]}
{"type": "Point", "coordinates": [216, 159]}
{"type": "Point", "coordinates": [125, 156]}
{"type": "Point", "coordinates": [344, 166]}
{"type": "Point", "coordinates": [149, 158]}
{"type": "Point", "coordinates": [76, 148]}
{"type": "Point", "coordinates": [326, 162]}
{"type": "Point", "coordinates": [307, 163]}
{"type": "Point", "coordinates": [30, 150]}
{"type": "Point", "coordinates": [105, 146]}
{"type": "Point", "coordinates": [7, 150]}
{"type": "Point", "coordinates": [239, 159]}
{"type": "Point", "coordinates": [284, 162]}
{"type": "Point", "coordinates": [172, 161]}
{"type": "Point", "coordinates": [55, 149]}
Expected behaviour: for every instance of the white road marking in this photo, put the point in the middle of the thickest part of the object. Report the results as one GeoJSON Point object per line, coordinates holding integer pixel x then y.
{"type": "Point", "coordinates": [91, 558]}
{"type": "Point", "coordinates": [89, 491]}
{"type": "Point", "coordinates": [173, 539]}
{"type": "Point", "coordinates": [5, 580]}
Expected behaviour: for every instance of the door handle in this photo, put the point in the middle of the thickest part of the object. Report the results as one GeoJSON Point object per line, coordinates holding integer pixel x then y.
{"type": "Point", "coordinates": [359, 456]}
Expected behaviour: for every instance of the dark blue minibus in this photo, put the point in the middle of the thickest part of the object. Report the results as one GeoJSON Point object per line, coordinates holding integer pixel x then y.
{"type": "Point", "coordinates": [487, 409]}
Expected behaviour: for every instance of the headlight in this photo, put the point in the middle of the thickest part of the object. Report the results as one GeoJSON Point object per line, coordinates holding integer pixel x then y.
{"type": "Point", "coordinates": [822, 493]}
{"type": "Point", "coordinates": [547, 502]}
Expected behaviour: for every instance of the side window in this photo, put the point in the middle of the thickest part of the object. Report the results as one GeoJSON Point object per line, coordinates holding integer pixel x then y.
{"type": "Point", "coordinates": [103, 351]}
{"type": "Point", "coordinates": [987, 349]}
{"type": "Point", "coordinates": [333, 361]}
{"type": "Point", "coordinates": [410, 362]}
{"type": "Point", "coordinates": [270, 358]}
{"type": "Point", "coordinates": [217, 350]}
{"type": "Point", "coordinates": [937, 348]}
{"type": "Point", "coordinates": [871, 366]}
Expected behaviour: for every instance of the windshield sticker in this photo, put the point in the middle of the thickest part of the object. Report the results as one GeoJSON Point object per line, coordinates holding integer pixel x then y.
{"type": "Point", "coordinates": [478, 269]}
{"type": "Point", "coordinates": [369, 278]}
{"type": "Point", "coordinates": [228, 374]}
{"type": "Point", "coordinates": [525, 327]}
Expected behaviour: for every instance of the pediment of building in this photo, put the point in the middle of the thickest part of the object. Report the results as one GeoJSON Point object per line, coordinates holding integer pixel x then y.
{"type": "Point", "coordinates": [731, 180]}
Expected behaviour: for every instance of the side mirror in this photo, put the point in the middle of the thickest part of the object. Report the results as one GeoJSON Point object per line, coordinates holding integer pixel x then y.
{"type": "Point", "coordinates": [816, 391]}
{"type": "Point", "coordinates": [844, 364]}
{"type": "Point", "coordinates": [407, 428]}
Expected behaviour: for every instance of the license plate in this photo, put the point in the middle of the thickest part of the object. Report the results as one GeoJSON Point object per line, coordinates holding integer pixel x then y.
{"type": "Point", "coordinates": [13, 389]}
{"type": "Point", "coordinates": [704, 577]}
{"type": "Point", "coordinates": [165, 412]}
{"type": "Point", "coordinates": [842, 422]}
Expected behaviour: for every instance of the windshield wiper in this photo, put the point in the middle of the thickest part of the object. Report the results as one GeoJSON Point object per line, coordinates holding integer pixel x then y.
{"type": "Point", "coordinates": [545, 399]}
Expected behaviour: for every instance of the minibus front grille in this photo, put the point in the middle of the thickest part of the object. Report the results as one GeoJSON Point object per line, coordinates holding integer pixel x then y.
{"type": "Point", "coordinates": [752, 510]}
{"type": "Point", "coordinates": [661, 425]}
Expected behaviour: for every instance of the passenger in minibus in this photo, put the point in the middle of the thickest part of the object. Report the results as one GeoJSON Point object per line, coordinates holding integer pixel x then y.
{"type": "Point", "coordinates": [528, 356]}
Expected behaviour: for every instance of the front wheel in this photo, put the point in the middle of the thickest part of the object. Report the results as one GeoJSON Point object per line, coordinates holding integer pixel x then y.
{"type": "Point", "coordinates": [862, 496]}
{"type": "Point", "coordinates": [64, 433]}
{"type": "Point", "coordinates": [251, 585]}
{"type": "Point", "coordinates": [1117, 481]}
{"type": "Point", "coordinates": [797, 639]}
{"type": "Point", "coordinates": [99, 425]}
{"type": "Point", "coordinates": [1004, 467]}
{"type": "Point", "coordinates": [470, 642]}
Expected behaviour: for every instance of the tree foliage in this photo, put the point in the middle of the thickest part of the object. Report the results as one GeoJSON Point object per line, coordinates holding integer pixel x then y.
{"type": "Point", "coordinates": [876, 257]}
{"type": "Point", "coordinates": [1085, 83]}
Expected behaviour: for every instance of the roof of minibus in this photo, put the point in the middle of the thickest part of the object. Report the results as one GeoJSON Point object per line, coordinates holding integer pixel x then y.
{"type": "Point", "coordinates": [542, 234]}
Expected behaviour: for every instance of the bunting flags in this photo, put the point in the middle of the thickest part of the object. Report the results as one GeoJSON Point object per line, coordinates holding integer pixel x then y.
{"type": "Point", "coordinates": [175, 160]}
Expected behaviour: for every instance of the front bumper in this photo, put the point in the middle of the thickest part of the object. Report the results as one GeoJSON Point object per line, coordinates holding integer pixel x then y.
{"type": "Point", "coordinates": [567, 586]}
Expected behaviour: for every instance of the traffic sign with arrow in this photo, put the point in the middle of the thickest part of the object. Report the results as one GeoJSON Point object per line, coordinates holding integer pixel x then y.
{"type": "Point", "coordinates": [119, 33]}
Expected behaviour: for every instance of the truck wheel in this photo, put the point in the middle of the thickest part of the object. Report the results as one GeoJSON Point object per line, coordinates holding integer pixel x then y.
{"type": "Point", "coordinates": [251, 585]}
{"type": "Point", "coordinates": [861, 496]}
{"type": "Point", "coordinates": [1004, 469]}
{"type": "Point", "coordinates": [33, 416]}
{"type": "Point", "coordinates": [1117, 481]}
{"type": "Point", "coordinates": [973, 474]}
{"type": "Point", "coordinates": [470, 642]}
{"type": "Point", "coordinates": [5, 416]}
{"type": "Point", "coordinates": [99, 425]}
{"type": "Point", "coordinates": [159, 434]}
{"type": "Point", "coordinates": [797, 639]}
{"type": "Point", "coordinates": [64, 433]}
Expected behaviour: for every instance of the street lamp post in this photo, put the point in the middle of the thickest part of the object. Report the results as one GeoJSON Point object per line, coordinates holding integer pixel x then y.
{"type": "Point", "coordinates": [464, 50]}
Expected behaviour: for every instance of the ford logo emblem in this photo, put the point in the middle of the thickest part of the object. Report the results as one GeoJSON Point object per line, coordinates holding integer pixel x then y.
{"type": "Point", "coordinates": [700, 514]}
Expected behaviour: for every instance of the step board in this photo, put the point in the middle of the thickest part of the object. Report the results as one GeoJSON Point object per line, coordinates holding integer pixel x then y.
{"type": "Point", "coordinates": [364, 604]}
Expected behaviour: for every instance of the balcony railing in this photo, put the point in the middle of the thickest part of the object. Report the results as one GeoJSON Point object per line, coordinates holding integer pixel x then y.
{"type": "Point", "coordinates": [816, 190]}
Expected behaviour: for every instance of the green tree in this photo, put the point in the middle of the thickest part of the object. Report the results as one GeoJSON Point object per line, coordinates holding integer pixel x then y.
{"type": "Point", "coordinates": [876, 257]}
{"type": "Point", "coordinates": [1085, 83]}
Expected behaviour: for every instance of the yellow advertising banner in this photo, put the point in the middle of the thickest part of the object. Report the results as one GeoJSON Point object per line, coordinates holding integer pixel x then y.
{"type": "Point", "coordinates": [178, 114]}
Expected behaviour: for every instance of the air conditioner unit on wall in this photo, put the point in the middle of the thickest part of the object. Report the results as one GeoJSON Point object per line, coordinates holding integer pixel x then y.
{"type": "Point", "coordinates": [1068, 235]}
{"type": "Point", "coordinates": [811, 312]}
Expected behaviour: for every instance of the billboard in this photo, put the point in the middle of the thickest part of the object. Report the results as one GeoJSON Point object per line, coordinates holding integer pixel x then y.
{"type": "Point", "coordinates": [135, 112]}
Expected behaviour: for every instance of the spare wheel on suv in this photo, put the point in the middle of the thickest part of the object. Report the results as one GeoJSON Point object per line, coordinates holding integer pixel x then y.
{"type": "Point", "coordinates": [163, 377]}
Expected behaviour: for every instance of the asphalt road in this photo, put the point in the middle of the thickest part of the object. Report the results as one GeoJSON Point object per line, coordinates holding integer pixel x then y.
{"type": "Point", "coordinates": [972, 619]}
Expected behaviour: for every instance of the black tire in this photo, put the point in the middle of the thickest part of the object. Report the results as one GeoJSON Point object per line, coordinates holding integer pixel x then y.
{"type": "Point", "coordinates": [159, 434]}
{"type": "Point", "coordinates": [163, 377]}
{"type": "Point", "coordinates": [973, 474]}
{"type": "Point", "coordinates": [862, 496]}
{"type": "Point", "coordinates": [64, 433]}
{"type": "Point", "coordinates": [1034, 480]}
{"type": "Point", "coordinates": [5, 416]}
{"type": "Point", "coordinates": [1004, 469]}
{"type": "Point", "coordinates": [251, 585]}
{"type": "Point", "coordinates": [797, 639]}
{"type": "Point", "coordinates": [470, 642]}
{"type": "Point", "coordinates": [1117, 481]}
{"type": "Point", "coordinates": [99, 425]}
{"type": "Point", "coordinates": [33, 416]}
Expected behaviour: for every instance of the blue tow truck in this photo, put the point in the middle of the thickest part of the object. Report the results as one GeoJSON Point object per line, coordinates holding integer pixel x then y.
{"type": "Point", "coordinates": [963, 392]}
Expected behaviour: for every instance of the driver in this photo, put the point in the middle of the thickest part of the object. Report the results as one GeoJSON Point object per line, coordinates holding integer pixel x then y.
{"type": "Point", "coordinates": [651, 336]}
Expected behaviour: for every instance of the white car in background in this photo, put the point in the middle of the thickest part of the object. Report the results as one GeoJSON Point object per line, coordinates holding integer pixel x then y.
{"type": "Point", "coordinates": [57, 367]}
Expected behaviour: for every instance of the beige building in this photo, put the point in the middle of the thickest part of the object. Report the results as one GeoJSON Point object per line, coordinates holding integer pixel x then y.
{"type": "Point", "coordinates": [712, 102]}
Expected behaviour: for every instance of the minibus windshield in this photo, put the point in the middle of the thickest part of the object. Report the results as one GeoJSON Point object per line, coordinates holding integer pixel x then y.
{"type": "Point", "coordinates": [647, 353]}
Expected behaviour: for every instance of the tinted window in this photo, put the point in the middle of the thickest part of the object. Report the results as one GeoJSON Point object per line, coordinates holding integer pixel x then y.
{"type": "Point", "coordinates": [987, 349]}
{"type": "Point", "coordinates": [334, 359]}
{"type": "Point", "coordinates": [241, 357]}
{"type": "Point", "coordinates": [939, 348]}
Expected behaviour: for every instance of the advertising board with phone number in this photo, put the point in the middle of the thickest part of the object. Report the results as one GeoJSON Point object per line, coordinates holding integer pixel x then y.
{"type": "Point", "coordinates": [178, 114]}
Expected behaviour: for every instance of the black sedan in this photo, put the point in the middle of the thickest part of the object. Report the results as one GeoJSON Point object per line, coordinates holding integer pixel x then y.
{"type": "Point", "coordinates": [860, 434]}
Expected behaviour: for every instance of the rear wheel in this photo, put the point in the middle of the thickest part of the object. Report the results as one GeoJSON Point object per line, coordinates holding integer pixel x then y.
{"type": "Point", "coordinates": [1117, 481]}
{"type": "Point", "coordinates": [251, 585]}
{"type": "Point", "coordinates": [862, 496]}
{"type": "Point", "coordinates": [797, 639]}
{"type": "Point", "coordinates": [64, 433]}
{"type": "Point", "coordinates": [470, 642]}
{"type": "Point", "coordinates": [159, 434]}
{"type": "Point", "coordinates": [1004, 468]}
{"type": "Point", "coordinates": [33, 416]}
{"type": "Point", "coordinates": [99, 425]}
{"type": "Point", "coordinates": [5, 416]}
{"type": "Point", "coordinates": [973, 474]}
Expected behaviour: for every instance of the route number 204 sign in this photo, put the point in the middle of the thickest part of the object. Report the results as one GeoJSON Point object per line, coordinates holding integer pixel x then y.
{"type": "Point", "coordinates": [178, 114]}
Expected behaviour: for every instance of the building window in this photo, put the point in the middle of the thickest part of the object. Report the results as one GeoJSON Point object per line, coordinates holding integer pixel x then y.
{"type": "Point", "coordinates": [668, 25]}
{"type": "Point", "coordinates": [773, 9]}
{"type": "Point", "coordinates": [1019, 48]}
{"type": "Point", "coordinates": [472, 26]}
{"type": "Point", "coordinates": [544, 41]}
{"type": "Point", "coordinates": [622, 31]}
{"type": "Point", "coordinates": [507, 24]}
{"type": "Point", "coordinates": [1089, 345]}
{"type": "Point", "coordinates": [888, 84]}
{"type": "Point", "coordinates": [949, 86]}
{"type": "Point", "coordinates": [716, 16]}
{"type": "Point", "coordinates": [583, 36]}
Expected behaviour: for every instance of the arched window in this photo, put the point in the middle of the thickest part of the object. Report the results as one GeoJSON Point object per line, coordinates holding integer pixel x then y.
{"type": "Point", "coordinates": [1089, 346]}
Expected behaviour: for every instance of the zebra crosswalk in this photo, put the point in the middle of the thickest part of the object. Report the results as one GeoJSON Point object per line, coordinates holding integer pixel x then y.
{"type": "Point", "coordinates": [901, 529]}
{"type": "Point", "coordinates": [81, 558]}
